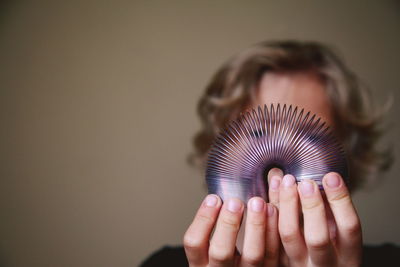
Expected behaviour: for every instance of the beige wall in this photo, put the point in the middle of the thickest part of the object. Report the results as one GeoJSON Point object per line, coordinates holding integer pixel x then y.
{"type": "Point", "coordinates": [97, 109]}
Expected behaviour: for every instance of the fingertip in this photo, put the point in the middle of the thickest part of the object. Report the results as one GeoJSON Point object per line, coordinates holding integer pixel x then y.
{"type": "Point", "coordinates": [256, 204]}
{"type": "Point", "coordinates": [274, 172]}
{"type": "Point", "coordinates": [307, 188]}
{"type": "Point", "coordinates": [275, 182]}
{"type": "Point", "coordinates": [271, 210]}
{"type": "Point", "coordinates": [332, 181]}
{"type": "Point", "coordinates": [234, 205]}
{"type": "Point", "coordinates": [288, 181]}
{"type": "Point", "coordinates": [212, 201]}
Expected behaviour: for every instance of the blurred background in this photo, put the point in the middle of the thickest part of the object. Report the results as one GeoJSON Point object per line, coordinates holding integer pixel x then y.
{"type": "Point", "coordinates": [98, 108]}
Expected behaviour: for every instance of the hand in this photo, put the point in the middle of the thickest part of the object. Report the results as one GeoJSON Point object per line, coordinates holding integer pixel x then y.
{"type": "Point", "coordinates": [261, 241]}
{"type": "Point", "coordinates": [331, 235]}
{"type": "Point", "coordinates": [331, 231]}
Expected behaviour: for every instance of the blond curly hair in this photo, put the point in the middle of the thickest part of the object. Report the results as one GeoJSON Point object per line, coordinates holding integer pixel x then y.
{"type": "Point", "coordinates": [357, 120]}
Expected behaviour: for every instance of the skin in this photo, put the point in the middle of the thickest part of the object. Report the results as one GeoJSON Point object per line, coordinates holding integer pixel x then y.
{"type": "Point", "coordinates": [300, 226]}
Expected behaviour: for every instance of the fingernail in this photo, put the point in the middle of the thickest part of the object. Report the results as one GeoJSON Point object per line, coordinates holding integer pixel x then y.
{"type": "Point", "coordinates": [288, 180]}
{"type": "Point", "coordinates": [257, 205]}
{"type": "Point", "coordinates": [275, 171]}
{"type": "Point", "coordinates": [274, 183]}
{"type": "Point", "coordinates": [234, 205]}
{"type": "Point", "coordinates": [270, 210]}
{"type": "Point", "coordinates": [211, 201]}
{"type": "Point", "coordinates": [306, 188]}
{"type": "Point", "coordinates": [332, 180]}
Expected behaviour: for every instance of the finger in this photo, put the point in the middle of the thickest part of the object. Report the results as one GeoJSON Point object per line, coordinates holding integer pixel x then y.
{"type": "Point", "coordinates": [289, 228]}
{"type": "Point", "coordinates": [275, 176]}
{"type": "Point", "coordinates": [272, 240]}
{"type": "Point", "coordinates": [283, 257]}
{"type": "Point", "coordinates": [331, 220]}
{"type": "Point", "coordinates": [316, 232]}
{"type": "Point", "coordinates": [196, 238]}
{"type": "Point", "coordinates": [274, 172]}
{"type": "Point", "coordinates": [273, 190]}
{"type": "Point", "coordinates": [254, 240]}
{"type": "Point", "coordinates": [222, 245]}
{"type": "Point", "coordinates": [349, 234]}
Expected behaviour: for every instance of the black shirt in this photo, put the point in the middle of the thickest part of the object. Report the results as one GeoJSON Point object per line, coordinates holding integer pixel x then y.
{"type": "Point", "coordinates": [383, 255]}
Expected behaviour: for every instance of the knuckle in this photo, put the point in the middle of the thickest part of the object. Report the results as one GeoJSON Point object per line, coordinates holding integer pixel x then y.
{"type": "Point", "coordinates": [258, 223]}
{"type": "Point", "coordinates": [271, 230]}
{"type": "Point", "coordinates": [352, 227]}
{"type": "Point", "coordinates": [289, 237]}
{"type": "Point", "coordinates": [340, 197]}
{"type": "Point", "coordinates": [230, 223]}
{"type": "Point", "coordinates": [318, 244]}
{"type": "Point", "coordinates": [253, 258]}
{"type": "Point", "coordinates": [220, 254]}
{"type": "Point", "coordinates": [288, 197]}
{"type": "Point", "coordinates": [312, 205]}
{"type": "Point", "coordinates": [190, 242]}
{"type": "Point", "coordinates": [204, 219]}
{"type": "Point", "coordinates": [271, 253]}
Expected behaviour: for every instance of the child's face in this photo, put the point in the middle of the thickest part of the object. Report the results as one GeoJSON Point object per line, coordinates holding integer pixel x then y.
{"type": "Point", "coordinates": [304, 90]}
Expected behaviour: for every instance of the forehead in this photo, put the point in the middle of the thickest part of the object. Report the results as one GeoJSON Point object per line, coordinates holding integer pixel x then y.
{"type": "Point", "coordinates": [304, 90]}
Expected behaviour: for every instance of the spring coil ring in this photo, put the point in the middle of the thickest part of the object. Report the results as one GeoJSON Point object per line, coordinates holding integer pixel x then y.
{"type": "Point", "coordinates": [285, 137]}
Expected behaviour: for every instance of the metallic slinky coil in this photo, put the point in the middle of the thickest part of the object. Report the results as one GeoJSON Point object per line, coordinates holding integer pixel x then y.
{"type": "Point", "coordinates": [285, 137]}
